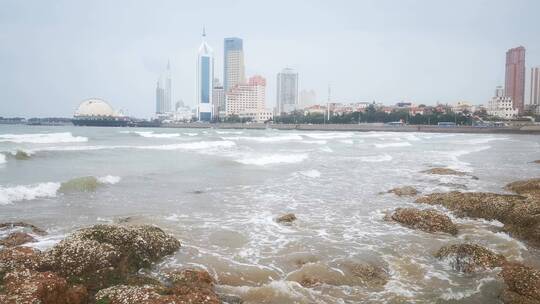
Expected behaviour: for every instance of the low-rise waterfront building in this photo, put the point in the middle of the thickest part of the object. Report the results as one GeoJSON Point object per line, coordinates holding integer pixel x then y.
{"type": "Point", "coordinates": [501, 105]}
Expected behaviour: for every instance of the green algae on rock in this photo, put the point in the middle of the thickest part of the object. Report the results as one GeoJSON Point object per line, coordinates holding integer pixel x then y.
{"type": "Point", "coordinates": [79, 184]}
{"type": "Point", "coordinates": [429, 220]}
{"type": "Point", "coordinates": [469, 258]}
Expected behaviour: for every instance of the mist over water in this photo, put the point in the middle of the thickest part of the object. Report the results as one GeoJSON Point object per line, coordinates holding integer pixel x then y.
{"type": "Point", "coordinates": [219, 192]}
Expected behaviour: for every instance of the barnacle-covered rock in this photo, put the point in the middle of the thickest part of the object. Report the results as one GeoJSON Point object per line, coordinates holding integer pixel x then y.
{"type": "Point", "coordinates": [470, 257]}
{"type": "Point", "coordinates": [429, 220]}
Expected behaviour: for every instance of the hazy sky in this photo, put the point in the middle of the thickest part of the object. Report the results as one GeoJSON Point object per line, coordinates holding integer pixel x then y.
{"type": "Point", "coordinates": [54, 54]}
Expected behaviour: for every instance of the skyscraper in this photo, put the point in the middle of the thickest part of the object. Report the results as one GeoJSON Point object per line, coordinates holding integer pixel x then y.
{"type": "Point", "coordinates": [515, 77]}
{"type": "Point", "coordinates": [218, 98]}
{"type": "Point", "coordinates": [233, 63]}
{"type": "Point", "coordinates": [160, 97]}
{"type": "Point", "coordinates": [535, 88]}
{"type": "Point", "coordinates": [205, 77]}
{"type": "Point", "coordinates": [287, 91]}
{"type": "Point", "coordinates": [168, 92]}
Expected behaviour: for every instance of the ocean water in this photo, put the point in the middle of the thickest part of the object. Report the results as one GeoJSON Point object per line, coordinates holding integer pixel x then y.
{"type": "Point", "coordinates": [219, 191]}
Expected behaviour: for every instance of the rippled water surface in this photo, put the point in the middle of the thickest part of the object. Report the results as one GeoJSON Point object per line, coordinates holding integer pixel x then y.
{"type": "Point", "coordinates": [219, 192]}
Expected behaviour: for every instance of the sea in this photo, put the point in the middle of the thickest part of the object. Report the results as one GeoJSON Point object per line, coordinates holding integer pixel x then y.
{"type": "Point", "coordinates": [219, 192]}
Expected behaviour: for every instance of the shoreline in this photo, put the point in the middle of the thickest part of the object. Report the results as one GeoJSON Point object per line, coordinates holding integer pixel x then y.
{"type": "Point", "coordinates": [529, 130]}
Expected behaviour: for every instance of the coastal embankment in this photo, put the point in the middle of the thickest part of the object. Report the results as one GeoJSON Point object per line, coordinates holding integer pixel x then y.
{"type": "Point", "coordinates": [526, 129]}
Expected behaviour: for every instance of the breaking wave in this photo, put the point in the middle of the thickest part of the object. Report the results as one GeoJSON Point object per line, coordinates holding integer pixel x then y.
{"type": "Point", "coordinates": [151, 134]}
{"type": "Point", "coordinates": [42, 138]}
{"type": "Point", "coordinates": [2, 158]}
{"type": "Point", "coordinates": [389, 145]}
{"type": "Point", "coordinates": [266, 139]}
{"type": "Point", "coordinates": [199, 145]}
{"type": "Point", "coordinates": [273, 159]}
{"type": "Point", "coordinates": [376, 158]}
{"type": "Point", "coordinates": [9, 195]}
{"type": "Point", "coordinates": [329, 135]}
{"type": "Point", "coordinates": [311, 173]}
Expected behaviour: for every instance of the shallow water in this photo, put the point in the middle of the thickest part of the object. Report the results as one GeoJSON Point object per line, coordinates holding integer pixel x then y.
{"type": "Point", "coordinates": [219, 191]}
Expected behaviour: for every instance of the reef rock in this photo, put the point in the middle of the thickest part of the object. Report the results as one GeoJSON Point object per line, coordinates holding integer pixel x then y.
{"type": "Point", "coordinates": [525, 187]}
{"type": "Point", "coordinates": [429, 220]}
{"type": "Point", "coordinates": [287, 218]}
{"type": "Point", "coordinates": [522, 284]}
{"type": "Point", "coordinates": [104, 255]}
{"type": "Point", "coordinates": [16, 239]}
{"type": "Point", "coordinates": [79, 184]}
{"type": "Point", "coordinates": [34, 229]}
{"type": "Point", "coordinates": [187, 286]}
{"type": "Point", "coordinates": [29, 286]}
{"type": "Point", "coordinates": [404, 191]}
{"type": "Point", "coordinates": [447, 171]}
{"type": "Point", "coordinates": [19, 258]}
{"type": "Point", "coordinates": [21, 155]}
{"type": "Point", "coordinates": [470, 257]}
{"type": "Point", "coordinates": [370, 274]}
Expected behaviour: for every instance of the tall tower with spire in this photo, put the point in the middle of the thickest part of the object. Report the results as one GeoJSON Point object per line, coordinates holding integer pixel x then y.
{"type": "Point", "coordinates": [205, 77]}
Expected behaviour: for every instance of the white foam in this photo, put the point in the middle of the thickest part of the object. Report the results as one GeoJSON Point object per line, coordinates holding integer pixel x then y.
{"type": "Point", "coordinates": [311, 173]}
{"type": "Point", "coordinates": [347, 141]}
{"type": "Point", "coordinates": [229, 132]}
{"type": "Point", "coordinates": [267, 139]}
{"type": "Point", "coordinates": [151, 134]}
{"type": "Point", "coordinates": [376, 158]}
{"type": "Point", "coordinates": [2, 158]}
{"type": "Point", "coordinates": [199, 145]}
{"type": "Point", "coordinates": [273, 159]}
{"type": "Point", "coordinates": [316, 142]}
{"type": "Point", "coordinates": [109, 179]}
{"type": "Point", "coordinates": [42, 138]}
{"type": "Point", "coordinates": [329, 135]}
{"type": "Point", "coordinates": [19, 193]}
{"type": "Point", "coordinates": [47, 242]}
{"type": "Point", "coordinates": [191, 134]}
{"type": "Point", "coordinates": [397, 144]}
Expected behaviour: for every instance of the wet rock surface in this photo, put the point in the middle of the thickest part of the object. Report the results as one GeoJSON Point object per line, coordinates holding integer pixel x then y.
{"type": "Point", "coordinates": [518, 213]}
{"type": "Point", "coordinates": [19, 258]}
{"type": "Point", "coordinates": [21, 155]}
{"type": "Point", "coordinates": [428, 220]}
{"type": "Point", "coordinates": [104, 255]}
{"type": "Point", "coordinates": [79, 184]}
{"type": "Point", "coordinates": [404, 191]}
{"type": "Point", "coordinates": [447, 171]}
{"type": "Point", "coordinates": [522, 284]}
{"type": "Point", "coordinates": [33, 228]}
{"type": "Point", "coordinates": [286, 218]}
{"type": "Point", "coordinates": [16, 239]}
{"type": "Point", "coordinates": [526, 187]}
{"type": "Point", "coordinates": [469, 258]}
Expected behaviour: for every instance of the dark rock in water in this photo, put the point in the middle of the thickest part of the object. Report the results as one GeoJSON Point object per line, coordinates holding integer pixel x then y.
{"type": "Point", "coordinates": [198, 192]}
{"type": "Point", "coordinates": [526, 187]}
{"type": "Point", "coordinates": [11, 225]}
{"type": "Point", "coordinates": [30, 286]}
{"type": "Point", "coordinates": [470, 257]}
{"type": "Point", "coordinates": [16, 239]}
{"type": "Point", "coordinates": [287, 218]}
{"type": "Point", "coordinates": [517, 213]}
{"type": "Point", "coordinates": [21, 155]}
{"type": "Point", "coordinates": [370, 274]}
{"type": "Point", "coordinates": [404, 191]}
{"type": "Point", "coordinates": [79, 184]}
{"type": "Point", "coordinates": [104, 255]}
{"type": "Point", "coordinates": [19, 258]}
{"type": "Point", "coordinates": [537, 161]}
{"type": "Point", "coordinates": [454, 185]}
{"type": "Point", "coordinates": [447, 171]}
{"type": "Point", "coordinates": [522, 284]}
{"type": "Point", "coordinates": [429, 220]}
{"type": "Point", "coordinates": [188, 286]}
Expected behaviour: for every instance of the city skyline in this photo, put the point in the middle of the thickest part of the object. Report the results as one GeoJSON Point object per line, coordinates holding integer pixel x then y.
{"type": "Point", "coordinates": [397, 50]}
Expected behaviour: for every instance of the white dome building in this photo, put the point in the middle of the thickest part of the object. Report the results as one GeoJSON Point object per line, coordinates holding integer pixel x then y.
{"type": "Point", "coordinates": [97, 112]}
{"type": "Point", "coordinates": [95, 107]}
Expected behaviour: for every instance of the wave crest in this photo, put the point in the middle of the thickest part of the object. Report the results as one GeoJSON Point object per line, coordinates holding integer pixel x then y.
{"type": "Point", "coordinates": [273, 159]}
{"type": "Point", "coordinates": [42, 138]}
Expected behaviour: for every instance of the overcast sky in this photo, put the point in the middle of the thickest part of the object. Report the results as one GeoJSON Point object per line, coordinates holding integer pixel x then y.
{"type": "Point", "coordinates": [54, 54]}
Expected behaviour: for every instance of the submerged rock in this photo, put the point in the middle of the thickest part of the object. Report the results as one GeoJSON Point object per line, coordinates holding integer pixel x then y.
{"type": "Point", "coordinates": [79, 184]}
{"type": "Point", "coordinates": [11, 225]}
{"type": "Point", "coordinates": [470, 257]}
{"type": "Point", "coordinates": [447, 171]}
{"type": "Point", "coordinates": [522, 284]}
{"type": "Point", "coordinates": [187, 286]}
{"type": "Point", "coordinates": [525, 187]}
{"type": "Point", "coordinates": [404, 191]}
{"type": "Point", "coordinates": [370, 274]}
{"type": "Point", "coordinates": [104, 255]}
{"type": "Point", "coordinates": [429, 220]}
{"type": "Point", "coordinates": [16, 239]}
{"type": "Point", "coordinates": [287, 218]}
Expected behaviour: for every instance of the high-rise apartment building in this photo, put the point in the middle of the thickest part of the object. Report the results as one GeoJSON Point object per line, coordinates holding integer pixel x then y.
{"type": "Point", "coordinates": [160, 97]}
{"type": "Point", "coordinates": [205, 77]}
{"type": "Point", "coordinates": [515, 77]}
{"type": "Point", "coordinates": [233, 63]}
{"type": "Point", "coordinates": [307, 98]}
{"type": "Point", "coordinates": [218, 98]}
{"type": "Point", "coordinates": [168, 90]}
{"type": "Point", "coordinates": [535, 89]}
{"type": "Point", "coordinates": [248, 100]}
{"type": "Point", "coordinates": [287, 91]}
